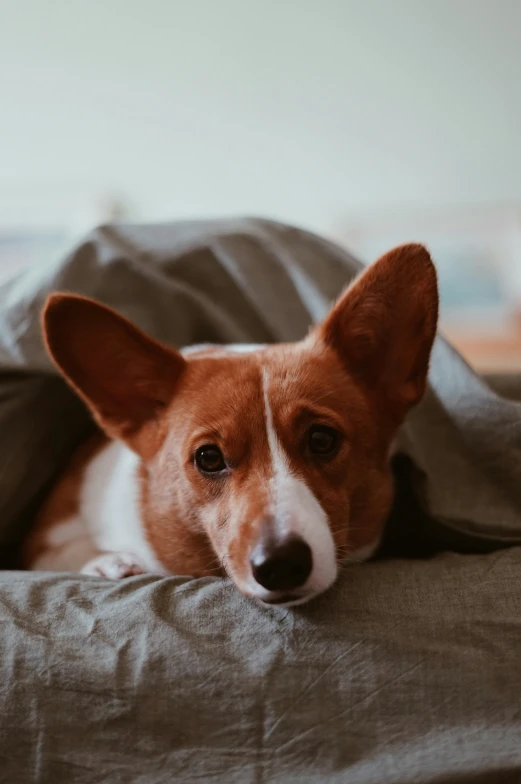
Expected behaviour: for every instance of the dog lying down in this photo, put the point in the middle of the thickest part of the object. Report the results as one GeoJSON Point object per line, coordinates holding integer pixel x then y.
{"type": "Point", "coordinates": [266, 463]}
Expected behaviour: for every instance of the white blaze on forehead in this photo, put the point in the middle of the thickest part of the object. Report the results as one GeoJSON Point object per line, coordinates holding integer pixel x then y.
{"type": "Point", "coordinates": [217, 351]}
{"type": "Point", "coordinates": [295, 509]}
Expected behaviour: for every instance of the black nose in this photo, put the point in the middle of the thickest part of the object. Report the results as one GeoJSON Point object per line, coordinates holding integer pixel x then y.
{"type": "Point", "coordinates": [281, 565]}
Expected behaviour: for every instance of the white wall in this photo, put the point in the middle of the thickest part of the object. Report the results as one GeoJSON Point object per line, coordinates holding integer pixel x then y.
{"type": "Point", "coordinates": [305, 110]}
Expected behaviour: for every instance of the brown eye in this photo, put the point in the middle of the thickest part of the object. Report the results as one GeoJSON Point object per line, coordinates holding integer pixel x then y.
{"type": "Point", "coordinates": [209, 459]}
{"type": "Point", "coordinates": [323, 441]}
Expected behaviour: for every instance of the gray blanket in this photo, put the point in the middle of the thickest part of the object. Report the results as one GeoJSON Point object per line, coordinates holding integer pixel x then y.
{"type": "Point", "coordinates": [406, 672]}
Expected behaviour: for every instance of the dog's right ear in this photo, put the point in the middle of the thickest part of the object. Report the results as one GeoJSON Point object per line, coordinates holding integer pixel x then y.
{"type": "Point", "coordinates": [125, 377]}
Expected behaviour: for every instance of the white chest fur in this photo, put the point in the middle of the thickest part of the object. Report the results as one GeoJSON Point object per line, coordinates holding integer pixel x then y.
{"type": "Point", "coordinates": [109, 505]}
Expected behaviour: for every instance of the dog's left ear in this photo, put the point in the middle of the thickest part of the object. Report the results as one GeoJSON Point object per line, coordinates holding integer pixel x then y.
{"type": "Point", "coordinates": [384, 325]}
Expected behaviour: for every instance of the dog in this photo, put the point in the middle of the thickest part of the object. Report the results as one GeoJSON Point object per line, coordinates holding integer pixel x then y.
{"type": "Point", "coordinates": [268, 464]}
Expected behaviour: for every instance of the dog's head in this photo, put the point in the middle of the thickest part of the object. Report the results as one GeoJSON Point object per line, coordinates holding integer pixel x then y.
{"type": "Point", "coordinates": [268, 463]}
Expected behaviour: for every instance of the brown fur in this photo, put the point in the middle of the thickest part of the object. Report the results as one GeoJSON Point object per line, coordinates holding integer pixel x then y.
{"type": "Point", "coordinates": [63, 500]}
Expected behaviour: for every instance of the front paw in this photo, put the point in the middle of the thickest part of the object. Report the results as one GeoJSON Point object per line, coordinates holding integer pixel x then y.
{"type": "Point", "coordinates": [114, 566]}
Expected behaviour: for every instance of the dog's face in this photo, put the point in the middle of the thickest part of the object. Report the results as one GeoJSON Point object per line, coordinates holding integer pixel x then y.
{"type": "Point", "coordinates": [276, 456]}
{"type": "Point", "coordinates": [269, 463]}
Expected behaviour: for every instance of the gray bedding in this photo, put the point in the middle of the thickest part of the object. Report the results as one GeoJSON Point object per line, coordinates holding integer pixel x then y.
{"type": "Point", "coordinates": [407, 671]}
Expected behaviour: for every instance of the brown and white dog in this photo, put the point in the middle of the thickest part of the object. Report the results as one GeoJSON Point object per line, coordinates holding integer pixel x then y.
{"type": "Point", "coordinates": [266, 463]}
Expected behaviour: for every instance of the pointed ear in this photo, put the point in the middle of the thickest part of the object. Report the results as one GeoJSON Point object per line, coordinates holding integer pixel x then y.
{"type": "Point", "coordinates": [125, 377]}
{"type": "Point", "coordinates": [384, 326]}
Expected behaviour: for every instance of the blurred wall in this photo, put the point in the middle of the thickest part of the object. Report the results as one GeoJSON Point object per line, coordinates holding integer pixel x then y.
{"type": "Point", "coordinates": [306, 110]}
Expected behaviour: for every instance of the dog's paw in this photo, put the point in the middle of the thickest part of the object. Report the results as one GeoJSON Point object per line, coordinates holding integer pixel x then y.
{"type": "Point", "coordinates": [114, 566]}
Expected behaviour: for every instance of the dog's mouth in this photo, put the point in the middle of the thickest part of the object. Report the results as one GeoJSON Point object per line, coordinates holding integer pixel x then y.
{"type": "Point", "coordinates": [287, 598]}
{"type": "Point", "coordinates": [283, 599]}
{"type": "Point", "coordinates": [277, 598]}
{"type": "Point", "coordinates": [286, 571]}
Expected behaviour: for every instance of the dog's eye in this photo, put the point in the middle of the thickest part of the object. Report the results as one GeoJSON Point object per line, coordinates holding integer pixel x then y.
{"type": "Point", "coordinates": [322, 441]}
{"type": "Point", "coordinates": [209, 459]}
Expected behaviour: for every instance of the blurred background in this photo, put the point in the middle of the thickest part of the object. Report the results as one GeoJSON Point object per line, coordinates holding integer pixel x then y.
{"type": "Point", "coordinates": [372, 122]}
